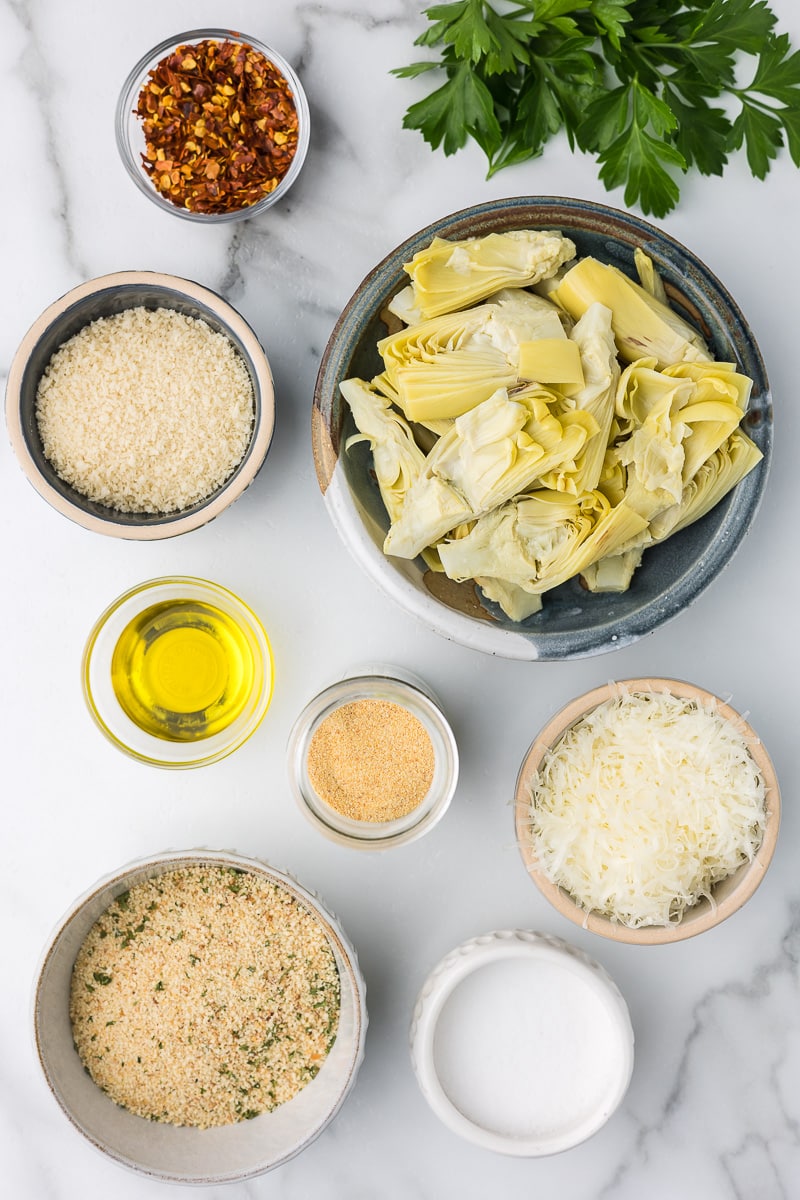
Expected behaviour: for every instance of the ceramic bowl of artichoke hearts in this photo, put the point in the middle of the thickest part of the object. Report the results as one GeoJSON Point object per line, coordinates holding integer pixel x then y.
{"type": "Point", "coordinates": [140, 405]}
{"type": "Point", "coordinates": [199, 1016]}
{"type": "Point", "coordinates": [542, 426]}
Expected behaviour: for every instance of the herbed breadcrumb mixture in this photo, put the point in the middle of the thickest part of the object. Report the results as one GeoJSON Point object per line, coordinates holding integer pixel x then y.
{"type": "Point", "coordinates": [371, 760]}
{"type": "Point", "coordinates": [146, 411]}
{"type": "Point", "coordinates": [204, 996]}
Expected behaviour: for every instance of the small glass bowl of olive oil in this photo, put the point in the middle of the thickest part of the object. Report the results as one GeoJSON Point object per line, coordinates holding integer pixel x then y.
{"type": "Point", "coordinates": [178, 672]}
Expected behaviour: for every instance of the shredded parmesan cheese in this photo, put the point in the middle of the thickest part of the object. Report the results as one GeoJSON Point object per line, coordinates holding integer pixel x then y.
{"type": "Point", "coordinates": [644, 804]}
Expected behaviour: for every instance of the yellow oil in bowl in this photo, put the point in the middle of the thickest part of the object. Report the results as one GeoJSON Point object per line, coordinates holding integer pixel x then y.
{"type": "Point", "coordinates": [183, 670]}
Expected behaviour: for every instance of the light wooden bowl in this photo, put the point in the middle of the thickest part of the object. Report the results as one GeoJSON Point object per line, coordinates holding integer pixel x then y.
{"type": "Point", "coordinates": [729, 894]}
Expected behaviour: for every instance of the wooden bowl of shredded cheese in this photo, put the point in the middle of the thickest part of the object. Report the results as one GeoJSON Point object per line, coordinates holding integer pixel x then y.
{"type": "Point", "coordinates": [647, 811]}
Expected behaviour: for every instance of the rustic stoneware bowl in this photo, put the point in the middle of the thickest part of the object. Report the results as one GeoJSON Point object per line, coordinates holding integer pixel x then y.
{"type": "Point", "coordinates": [131, 140]}
{"type": "Point", "coordinates": [226, 1153]}
{"type": "Point", "coordinates": [104, 297]}
{"type": "Point", "coordinates": [729, 894]}
{"type": "Point", "coordinates": [573, 622]}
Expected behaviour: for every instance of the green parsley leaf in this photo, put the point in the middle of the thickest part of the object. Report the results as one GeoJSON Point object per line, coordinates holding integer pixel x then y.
{"type": "Point", "coordinates": [704, 142]}
{"type": "Point", "coordinates": [638, 159]}
{"type": "Point", "coordinates": [612, 16]}
{"type": "Point", "coordinates": [791, 125]}
{"type": "Point", "coordinates": [736, 24]}
{"type": "Point", "coordinates": [778, 72]}
{"type": "Point", "coordinates": [461, 108]}
{"type": "Point", "coordinates": [761, 134]}
{"type": "Point", "coordinates": [632, 82]}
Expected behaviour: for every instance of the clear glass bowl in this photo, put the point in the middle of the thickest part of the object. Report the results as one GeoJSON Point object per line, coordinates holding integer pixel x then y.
{"type": "Point", "coordinates": [398, 687]}
{"type": "Point", "coordinates": [112, 718]}
{"type": "Point", "coordinates": [131, 141]}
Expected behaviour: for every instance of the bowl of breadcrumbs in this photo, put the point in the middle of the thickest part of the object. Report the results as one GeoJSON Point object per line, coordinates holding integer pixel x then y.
{"type": "Point", "coordinates": [140, 405]}
{"type": "Point", "coordinates": [200, 1017]}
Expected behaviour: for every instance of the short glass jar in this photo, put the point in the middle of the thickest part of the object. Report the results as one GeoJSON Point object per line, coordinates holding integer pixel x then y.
{"type": "Point", "coordinates": [195, 663]}
{"type": "Point", "coordinates": [393, 686]}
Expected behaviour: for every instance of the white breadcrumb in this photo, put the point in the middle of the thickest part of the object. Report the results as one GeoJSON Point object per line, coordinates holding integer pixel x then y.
{"type": "Point", "coordinates": [146, 411]}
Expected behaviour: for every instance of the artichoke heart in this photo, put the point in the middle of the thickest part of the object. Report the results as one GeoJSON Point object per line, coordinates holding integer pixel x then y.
{"type": "Point", "coordinates": [594, 341]}
{"type": "Point", "coordinates": [551, 360]}
{"type": "Point", "coordinates": [538, 541]}
{"type": "Point", "coordinates": [515, 602]}
{"type": "Point", "coordinates": [649, 277]}
{"type": "Point", "coordinates": [717, 404]}
{"type": "Point", "coordinates": [445, 366]}
{"type": "Point", "coordinates": [614, 572]}
{"type": "Point", "coordinates": [718, 475]}
{"type": "Point", "coordinates": [643, 326]}
{"type": "Point", "coordinates": [450, 275]}
{"type": "Point", "coordinates": [491, 453]}
{"type": "Point", "coordinates": [397, 459]}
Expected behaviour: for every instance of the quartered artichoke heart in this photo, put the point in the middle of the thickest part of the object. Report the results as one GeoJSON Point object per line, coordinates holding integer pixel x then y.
{"type": "Point", "coordinates": [456, 274]}
{"type": "Point", "coordinates": [445, 366]}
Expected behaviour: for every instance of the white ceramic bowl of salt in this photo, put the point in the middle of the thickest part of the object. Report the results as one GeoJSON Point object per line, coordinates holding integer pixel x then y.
{"type": "Point", "coordinates": [521, 1043]}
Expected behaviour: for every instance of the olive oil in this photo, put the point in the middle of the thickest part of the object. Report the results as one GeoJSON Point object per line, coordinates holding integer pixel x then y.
{"type": "Point", "coordinates": [182, 670]}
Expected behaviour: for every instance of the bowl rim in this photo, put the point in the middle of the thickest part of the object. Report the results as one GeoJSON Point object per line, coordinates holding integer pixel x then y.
{"type": "Point", "coordinates": [239, 481]}
{"type": "Point", "coordinates": [752, 873]}
{"type": "Point", "coordinates": [487, 950]}
{"type": "Point", "coordinates": [479, 631]}
{"type": "Point", "coordinates": [175, 859]}
{"type": "Point", "coordinates": [133, 82]}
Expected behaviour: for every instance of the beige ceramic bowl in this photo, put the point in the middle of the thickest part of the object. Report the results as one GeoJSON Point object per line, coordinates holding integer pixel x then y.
{"type": "Point", "coordinates": [175, 1154]}
{"type": "Point", "coordinates": [729, 895]}
{"type": "Point", "coordinates": [104, 297]}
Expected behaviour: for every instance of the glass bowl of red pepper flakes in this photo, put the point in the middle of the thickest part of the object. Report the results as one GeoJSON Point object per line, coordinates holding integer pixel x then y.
{"type": "Point", "coordinates": [213, 125]}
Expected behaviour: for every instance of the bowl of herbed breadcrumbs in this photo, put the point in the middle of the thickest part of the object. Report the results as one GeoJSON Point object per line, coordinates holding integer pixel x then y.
{"type": "Point", "coordinates": [200, 1017]}
{"type": "Point", "coordinates": [140, 405]}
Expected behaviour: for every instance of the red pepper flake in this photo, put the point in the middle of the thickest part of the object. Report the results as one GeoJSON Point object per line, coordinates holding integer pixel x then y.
{"type": "Point", "coordinates": [220, 126]}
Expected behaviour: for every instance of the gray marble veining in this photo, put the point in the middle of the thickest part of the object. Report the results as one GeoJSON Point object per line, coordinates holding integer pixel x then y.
{"type": "Point", "coordinates": [713, 1112]}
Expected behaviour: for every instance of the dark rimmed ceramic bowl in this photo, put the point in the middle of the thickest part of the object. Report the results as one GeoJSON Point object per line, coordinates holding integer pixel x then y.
{"type": "Point", "coordinates": [103, 297]}
{"type": "Point", "coordinates": [573, 622]}
{"type": "Point", "coordinates": [180, 1154]}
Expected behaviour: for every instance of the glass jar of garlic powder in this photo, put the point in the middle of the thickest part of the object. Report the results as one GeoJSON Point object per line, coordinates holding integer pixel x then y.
{"type": "Point", "coordinates": [372, 759]}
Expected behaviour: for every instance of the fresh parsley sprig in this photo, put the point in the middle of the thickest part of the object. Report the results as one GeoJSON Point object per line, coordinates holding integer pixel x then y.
{"type": "Point", "coordinates": [637, 83]}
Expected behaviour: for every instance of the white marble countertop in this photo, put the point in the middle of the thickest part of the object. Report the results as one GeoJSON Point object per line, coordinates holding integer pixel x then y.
{"type": "Point", "coordinates": [713, 1111]}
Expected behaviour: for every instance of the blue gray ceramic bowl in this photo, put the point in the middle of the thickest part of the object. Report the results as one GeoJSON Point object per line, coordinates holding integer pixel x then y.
{"type": "Point", "coordinates": [573, 622]}
{"type": "Point", "coordinates": [104, 297]}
